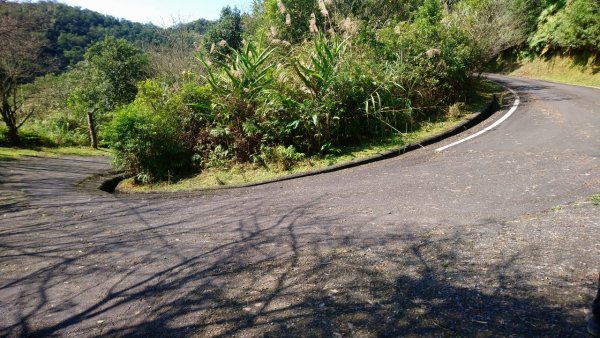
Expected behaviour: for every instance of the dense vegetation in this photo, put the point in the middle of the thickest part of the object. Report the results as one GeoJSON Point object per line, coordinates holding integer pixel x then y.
{"type": "Point", "coordinates": [290, 80]}
{"type": "Point", "coordinates": [69, 31]}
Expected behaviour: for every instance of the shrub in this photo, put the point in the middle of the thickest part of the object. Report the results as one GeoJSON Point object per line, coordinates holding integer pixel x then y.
{"type": "Point", "coordinates": [282, 158]}
{"type": "Point", "coordinates": [576, 26]}
{"type": "Point", "coordinates": [242, 82]}
{"type": "Point", "coordinates": [149, 135]}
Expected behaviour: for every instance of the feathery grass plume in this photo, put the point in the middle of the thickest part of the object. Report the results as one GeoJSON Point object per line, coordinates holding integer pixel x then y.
{"type": "Point", "coordinates": [223, 43]}
{"type": "Point", "coordinates": [349, 27]}
{"type": "Point", "coordinates": [278, 42]}
{"type": "Point", "coordinates": [288, 19]}
{"type": "Point", "coordinates": [433, 52]}
{"type": "Point", "coordinates": [197, 46]}
{"type": "Point", "coordinates": [323, 8]}
{"type": "Point", "coordinates": [273, 31]}
{"type": "Point", "coordinates": [236, 73]}
{"type": "Point", "coordinates": [312, 24]}
{"type": "Point", "coordinates": [281, 7]}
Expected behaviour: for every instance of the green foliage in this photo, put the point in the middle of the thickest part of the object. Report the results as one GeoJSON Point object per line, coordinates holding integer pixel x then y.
{"type": "Point", "coordinates": [88, 95]}
{"type": "Point", "coordinates": [149, 135]}
{"type": "Point", "coordinates": [334, 90]}
{"type": "Point", "coordinates": [595, 199]}
{"type": "Point", "coordinates": [379, 13]}
{"type": "Point", "coordinates": [242, 81]}
{"type": "Point", "coordinates": [71, 30]}
{"type": "Point", "coordinates": [319, 77]}
{"type": "Point", "coordinates": [117, 66]}
{"type": "Point", "coordinates": [246, 73]}
{"type": "Point", "coordinates": [110, 73]}
{"type": "Point", "coordinates": [314, 76]}
{"type": "Point", "coordinates": [226, 33]}
{"type": "Point", "coordinates": [430, 12]}
{"type": "Point", "coordinates": [576, 26]}
{"type": "Point", "coordinates": [288, 20]}
{"type": "Point", "coordinates": [283, 158]}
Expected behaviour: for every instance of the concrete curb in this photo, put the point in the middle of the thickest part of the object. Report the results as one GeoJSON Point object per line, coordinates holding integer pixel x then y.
{"type": "Point", "coordinates": [105, 181]}
{"type": "Point", "coordinates": [110, 184]}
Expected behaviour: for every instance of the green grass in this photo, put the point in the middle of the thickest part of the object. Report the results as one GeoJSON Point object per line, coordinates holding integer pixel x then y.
{"type": "Point", "coordinates": [595, 200]}
{"type": "Point", "coordinates": [562, 69]}
{"type": "Point", "coordinates": [7, 153]}
{"type": "Point", "coordinates": [253, 173]}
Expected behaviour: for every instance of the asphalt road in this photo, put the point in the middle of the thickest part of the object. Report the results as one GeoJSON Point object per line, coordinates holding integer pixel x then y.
{"type": "Point", "coordinates": [492, 237]}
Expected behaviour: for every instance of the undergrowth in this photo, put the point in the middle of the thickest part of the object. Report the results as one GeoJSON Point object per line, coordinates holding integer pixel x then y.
{"type": "Point", "coordinates": [282, 161]}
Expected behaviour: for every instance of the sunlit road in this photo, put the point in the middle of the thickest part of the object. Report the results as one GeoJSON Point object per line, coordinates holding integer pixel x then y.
{"type": "Point", "coordinates": [491, 237]}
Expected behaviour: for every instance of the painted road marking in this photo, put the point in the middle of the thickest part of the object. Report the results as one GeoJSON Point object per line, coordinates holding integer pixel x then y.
{"type": "Point", "coordinates": [496, 124]}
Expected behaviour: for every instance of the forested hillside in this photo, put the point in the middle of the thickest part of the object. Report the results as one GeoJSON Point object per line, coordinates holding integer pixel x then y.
{"type": "Point", "coordinates": [289, 81]}
{"type": "Point", "coordinates": [70, 30]}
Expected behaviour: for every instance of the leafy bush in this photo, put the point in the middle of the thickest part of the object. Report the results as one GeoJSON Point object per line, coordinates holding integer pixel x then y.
{"type": "Point", "coordinates": [148, 136]}
{"type": "Point", "coordinates": [242, 81]}
{"type": "Point", "coordinates": [225, 33]}
{"type": "Point", "coordinates": [282, 158]}
{"type": "Point", "coordinates": [314, 75]}
{"type": "Point", "coordinates": [334, 90]}
{"type": "Point", "coordinates": [576, 26]}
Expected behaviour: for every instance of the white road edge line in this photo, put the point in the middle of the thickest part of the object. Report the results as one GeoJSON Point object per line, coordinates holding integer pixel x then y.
{"type": "Point", "coordinates": [496, 124]}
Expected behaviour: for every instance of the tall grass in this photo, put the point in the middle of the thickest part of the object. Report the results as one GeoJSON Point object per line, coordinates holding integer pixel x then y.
{"type": "Point", "coordinates": [272, 103]}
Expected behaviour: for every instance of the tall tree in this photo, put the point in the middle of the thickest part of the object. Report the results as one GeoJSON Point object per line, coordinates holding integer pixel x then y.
{"type": "Point", "coordinates": [20, 52]}
{"type": "Point", "coordinates": [493, 26]}
{"type": "Point", "coordinates": [112, 69]}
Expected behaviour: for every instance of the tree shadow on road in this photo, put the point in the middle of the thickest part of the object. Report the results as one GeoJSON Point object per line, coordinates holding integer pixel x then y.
{"type": "Point", "coordinates": [177, 267]}
{"type": "Point", "coordinates": [260, 275]}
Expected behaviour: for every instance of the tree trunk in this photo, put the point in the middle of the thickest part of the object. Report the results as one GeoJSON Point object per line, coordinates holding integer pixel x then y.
{"type": "Point", "coordinates": [13, 135]}
{"type": "Point", "coordinates": [93, 132]}
{"type": "Point", "coordinates": [9, 119]}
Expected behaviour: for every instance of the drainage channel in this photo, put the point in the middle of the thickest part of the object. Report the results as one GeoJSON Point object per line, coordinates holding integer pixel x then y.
{"type": "Point", "coordinates": [110, 185]}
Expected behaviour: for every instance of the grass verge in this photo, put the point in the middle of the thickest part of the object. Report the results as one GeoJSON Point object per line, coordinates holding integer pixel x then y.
{"type": "Point", "coordinates": [253, 173]}
{"type": "Point", "coordinates": [583, 71]}
{"type": "Point", "coordinates": [8, 154]}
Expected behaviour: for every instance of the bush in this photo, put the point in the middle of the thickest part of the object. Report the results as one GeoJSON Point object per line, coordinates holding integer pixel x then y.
{"type": "Point", "coordinates": [275, 103]}
{"type": "Point", "coordinates": [242, 82]}
{"type": "Point", "coordinates": [149, 135]}
{"type": "Point", "coordinates": [280, 157]}
{"type": "Point", "coordinates": [576, 26]}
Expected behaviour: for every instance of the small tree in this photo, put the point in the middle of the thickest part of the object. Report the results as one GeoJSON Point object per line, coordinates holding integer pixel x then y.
{"type": "Point", "coordinates": [111, 70]}
{"type": "Point", "coordinates": [493, 26]}
{"type": "Point", "coordinates": [225, 33]}
{"type": "Point", "coordinates": [20, 53]}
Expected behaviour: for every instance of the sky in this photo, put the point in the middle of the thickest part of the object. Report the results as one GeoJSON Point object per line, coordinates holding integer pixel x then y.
{"type": "Point", "coordinates": [161, 12]}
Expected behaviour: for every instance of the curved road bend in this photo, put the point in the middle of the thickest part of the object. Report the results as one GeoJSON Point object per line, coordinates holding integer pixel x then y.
{"type": "Point", "coordinates": [491, 237]}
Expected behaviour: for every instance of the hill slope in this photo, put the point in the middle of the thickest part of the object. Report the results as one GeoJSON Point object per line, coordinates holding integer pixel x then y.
{"type": "Point", "coordinates": [70, 30]}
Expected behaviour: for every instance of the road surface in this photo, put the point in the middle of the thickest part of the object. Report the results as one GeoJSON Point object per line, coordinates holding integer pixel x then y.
{"type": "Point", "coordinates": [494, 236]}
